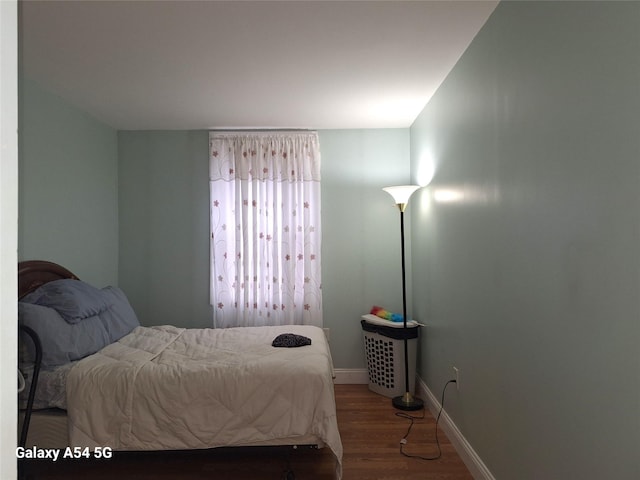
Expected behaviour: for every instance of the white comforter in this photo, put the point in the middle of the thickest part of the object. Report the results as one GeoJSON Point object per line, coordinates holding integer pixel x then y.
{"type": "Point", "coordinates": [164, 387]}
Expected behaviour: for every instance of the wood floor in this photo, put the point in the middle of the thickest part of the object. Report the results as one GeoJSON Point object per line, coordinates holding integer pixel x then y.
{"type": "Point", "coordinates": [370, 433]}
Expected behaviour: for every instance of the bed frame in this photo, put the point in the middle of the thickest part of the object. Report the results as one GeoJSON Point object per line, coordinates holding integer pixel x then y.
{"type": "Point", "coordinates": [35, 273]}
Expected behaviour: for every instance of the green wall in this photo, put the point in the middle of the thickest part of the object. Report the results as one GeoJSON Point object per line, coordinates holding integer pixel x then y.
{"type": "Point", "coordinates": [68, 187]}
{"type": "Point", "coordinates": [164, 228]}
{"type": "Point", "coordinates": [360, 232]}
{"type": "Point", "coordinates": [529, 275]}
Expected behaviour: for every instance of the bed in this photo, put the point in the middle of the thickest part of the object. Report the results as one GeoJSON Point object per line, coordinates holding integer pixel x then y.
{"type": "Point", "coordinates": [106, 381]}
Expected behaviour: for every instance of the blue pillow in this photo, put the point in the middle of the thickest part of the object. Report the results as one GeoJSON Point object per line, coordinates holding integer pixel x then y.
{"type": "Point", "coordinates": [119, 319]}
{"type": "Point", "coordinates": [62, 342]}
{"type": "Point", "coordinates": [74, 300]}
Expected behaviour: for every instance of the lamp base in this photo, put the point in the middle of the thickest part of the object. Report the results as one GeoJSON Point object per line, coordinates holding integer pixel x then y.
{"type": "Point", "coordinates": [407, 402]}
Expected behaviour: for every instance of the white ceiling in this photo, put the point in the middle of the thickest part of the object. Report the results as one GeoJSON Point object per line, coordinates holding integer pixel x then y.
{"type": "Point", "coordinates": [247, 64]}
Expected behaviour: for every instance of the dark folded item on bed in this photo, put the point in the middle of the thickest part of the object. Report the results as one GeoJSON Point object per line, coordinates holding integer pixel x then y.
{"type": "Point", "coordinates": [290, 340]}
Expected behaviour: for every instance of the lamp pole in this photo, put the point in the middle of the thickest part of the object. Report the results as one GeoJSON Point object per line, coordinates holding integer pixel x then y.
{"type": "Point", "coordinates": [407, 401]}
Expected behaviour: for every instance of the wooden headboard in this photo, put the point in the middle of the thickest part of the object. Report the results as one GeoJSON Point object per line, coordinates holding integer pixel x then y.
{"type": "Point", "coordinates": [34, 273]}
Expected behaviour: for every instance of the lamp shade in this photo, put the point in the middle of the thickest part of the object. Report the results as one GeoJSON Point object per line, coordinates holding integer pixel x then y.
{"type": "Point", "coordinates": [401, 193]}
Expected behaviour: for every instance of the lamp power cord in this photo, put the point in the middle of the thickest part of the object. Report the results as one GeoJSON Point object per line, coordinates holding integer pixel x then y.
{"type": "Point", "coordinates": [413, 418]}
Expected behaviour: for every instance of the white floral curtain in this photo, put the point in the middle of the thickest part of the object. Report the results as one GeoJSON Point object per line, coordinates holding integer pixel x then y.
{"type": "Point", "coordinates": [265, 228]}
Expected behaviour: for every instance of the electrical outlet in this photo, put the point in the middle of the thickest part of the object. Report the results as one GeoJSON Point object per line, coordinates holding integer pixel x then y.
{"type": "Point", "coordinates": [456, 373]}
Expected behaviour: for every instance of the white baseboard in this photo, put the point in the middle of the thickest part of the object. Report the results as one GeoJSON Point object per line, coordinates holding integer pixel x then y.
{"type": "Point", "coordinates": [474, 463]}
{"type": "Point", "coordinates": [352, 376]}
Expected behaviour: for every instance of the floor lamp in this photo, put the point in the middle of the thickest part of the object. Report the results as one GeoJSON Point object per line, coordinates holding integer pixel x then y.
{"type": "Point", "coordinates": [401, 196]}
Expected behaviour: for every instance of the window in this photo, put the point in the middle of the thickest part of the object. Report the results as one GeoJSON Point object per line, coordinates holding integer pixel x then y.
{"type": "Point", "coordinates": [265, 228]}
